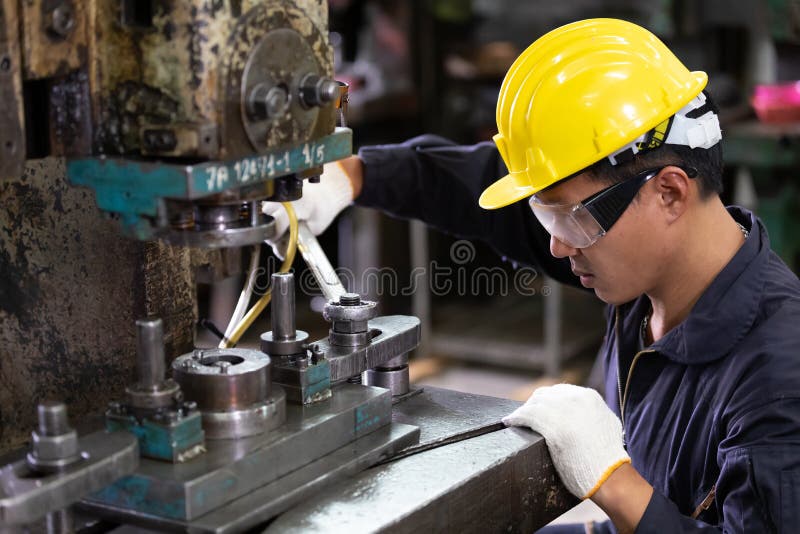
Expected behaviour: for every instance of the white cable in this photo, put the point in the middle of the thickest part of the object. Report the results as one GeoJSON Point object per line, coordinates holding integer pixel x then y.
{"type": "Point", "coordinates": [244, 298]}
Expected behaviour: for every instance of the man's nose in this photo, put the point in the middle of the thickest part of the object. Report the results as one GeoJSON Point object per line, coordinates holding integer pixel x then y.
{"type": "Point", "coordinates": [559, 249]}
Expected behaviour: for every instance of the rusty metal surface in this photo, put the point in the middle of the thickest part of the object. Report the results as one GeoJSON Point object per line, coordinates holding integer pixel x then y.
{"type": "Point", "coordinates": [12, 121]}
{"type": "Point", "coordinates": [179, 74]}
{"type": "Point", "coordinates": [254, 28]}
{"type": "Point", "coordinates": [53, 37]}
{"type": "Point", "coordinates": [70, 290]}
{"type": "Point", "coordinates": [499, 482]}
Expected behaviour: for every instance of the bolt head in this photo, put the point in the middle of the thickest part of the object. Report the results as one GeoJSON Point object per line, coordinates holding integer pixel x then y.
{"type": "Point", "coordinates": [61, 19]}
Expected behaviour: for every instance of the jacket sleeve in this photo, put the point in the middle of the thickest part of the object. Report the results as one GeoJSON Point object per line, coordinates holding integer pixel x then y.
{"type": "Point", "coordinates": [758, 489]}
{"type": "Point", "coordinates": [438, 182]}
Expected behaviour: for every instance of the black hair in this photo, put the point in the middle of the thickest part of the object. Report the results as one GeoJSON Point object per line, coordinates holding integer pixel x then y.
{"type": "Point", "coordinates": [707, 162]}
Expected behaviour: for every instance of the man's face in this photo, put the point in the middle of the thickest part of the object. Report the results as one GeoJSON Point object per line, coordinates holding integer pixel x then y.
{"type": "Point", "coordinates": [627, 261]}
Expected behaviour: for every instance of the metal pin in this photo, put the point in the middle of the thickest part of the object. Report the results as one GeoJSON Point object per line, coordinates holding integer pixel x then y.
{"type": "Point", "coordinates": [53, 419]}
{"type": "Point", "coordinates": [283, 320]}
{"type": "Point", "coordinates": [150, 352]}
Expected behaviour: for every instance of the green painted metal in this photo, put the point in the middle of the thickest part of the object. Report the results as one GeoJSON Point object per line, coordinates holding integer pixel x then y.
{"type": "Point", "coordinates": [161, 441]}
{"type": "Point", "coordinates": [134, 189]}
{"type": "Point", "coordinates": [137, 492]}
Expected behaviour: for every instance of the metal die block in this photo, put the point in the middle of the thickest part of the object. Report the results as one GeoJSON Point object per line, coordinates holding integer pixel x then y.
{"type": "Point", "coordinates": [233, 468]}
{"type": "Point", "coordinates": [26, 497]}
{"type": "Point", "coordinates": [174, 439]}
{"type": "Point", "coordinates": [298, 487]}
{"type": "Point", "coordinates": [304, 384]}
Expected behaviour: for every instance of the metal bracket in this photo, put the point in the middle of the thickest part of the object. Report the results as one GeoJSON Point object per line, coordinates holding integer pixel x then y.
{"type": "Point", "coordinates": [24, 497]}
{"type": "Point", "coordinates": [12, 115]}
{"type": "Point", "coordinates": [136, 189]}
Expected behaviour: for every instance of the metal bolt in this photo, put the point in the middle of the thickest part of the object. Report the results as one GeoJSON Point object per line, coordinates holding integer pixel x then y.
{"type": "Point", "coordinates": [189, 406]}
{"type": "Point", "coordinates": [350, 299]}
{"type": "Point", "coordinates": [328, 90]}
{"type": "Point", "coordinates": [223, 366]}
{"type": "Point", "coordinates": [316, 91]}
{"type": "Point", "coordinates": [198, 354]}
{"type": "Point", "coordinates": [61, 19]}
{"type": "Point", "coordinates": [317, 353]}
{"type": "Point", "coordinates": [266, 102]}
{"type": "Point", "coordinates": [52, 418]}
{"type": "Point", "coordinates": [277, 98]}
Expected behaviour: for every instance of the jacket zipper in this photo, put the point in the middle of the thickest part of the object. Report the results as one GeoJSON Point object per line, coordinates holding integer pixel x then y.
{"type": "Point", "coordinates": [623, 394]}
{"type": "Point", "coordinates": [628, 383]}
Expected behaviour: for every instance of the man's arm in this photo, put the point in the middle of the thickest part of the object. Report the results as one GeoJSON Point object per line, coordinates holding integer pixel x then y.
{"type": "Point", "coordinates": [758, 488]}
{"type": "Point", "coordinates": [438, 182]}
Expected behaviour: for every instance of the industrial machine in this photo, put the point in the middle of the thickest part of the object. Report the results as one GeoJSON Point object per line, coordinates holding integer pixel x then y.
{"type": "Point", "coordinates": [170, 122]}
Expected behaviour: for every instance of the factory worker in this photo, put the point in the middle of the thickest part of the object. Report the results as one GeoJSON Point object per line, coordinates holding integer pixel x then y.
{"type": "Point", "coordinates": [606, 174]}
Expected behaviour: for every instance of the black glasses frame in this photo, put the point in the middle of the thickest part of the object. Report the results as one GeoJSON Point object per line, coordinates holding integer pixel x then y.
{"type": "Point", "coordinates": [608, 205]}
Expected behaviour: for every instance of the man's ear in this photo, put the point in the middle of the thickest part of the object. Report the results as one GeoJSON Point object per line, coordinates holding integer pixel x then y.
{"type": "Point", "coordinates": [674, 188]}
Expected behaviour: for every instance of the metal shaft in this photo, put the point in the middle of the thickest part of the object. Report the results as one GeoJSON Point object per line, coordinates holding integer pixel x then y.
{"type": "Point", "coordinates": [283, 319]}
{"type": "Point", "coordinates": [53, 420]}
{"type": "Point", "coordinates": [60, 522]}
{"type": "Point", "coordinates": [150, 352]}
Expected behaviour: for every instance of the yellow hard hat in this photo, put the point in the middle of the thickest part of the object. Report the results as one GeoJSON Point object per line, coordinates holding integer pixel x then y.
{"type": "Point", "coordinates": [576, 95]}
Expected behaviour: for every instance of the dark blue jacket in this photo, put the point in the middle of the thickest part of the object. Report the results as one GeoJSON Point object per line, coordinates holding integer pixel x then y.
{"type": "Point", "coordinates": [714, 404]}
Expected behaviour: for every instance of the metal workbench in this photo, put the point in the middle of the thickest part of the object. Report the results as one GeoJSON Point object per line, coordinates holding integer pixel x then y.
{"type": "Point", "coordinates": [503, 481]}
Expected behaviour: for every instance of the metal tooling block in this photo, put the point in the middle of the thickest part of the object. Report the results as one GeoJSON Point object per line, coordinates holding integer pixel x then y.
{"type": "Point", "coordinates": [303, 384]}
{"type": "Point", "coordinates": [233, 468]}
{"type": "Point", "coordinates": [297, 487]}
{"type": "Point", "coordinates": [26, 496]}
{"type": "Point", "coordinates": [499, 482]}
{"type": "Point", "coordinates": [173, 440]}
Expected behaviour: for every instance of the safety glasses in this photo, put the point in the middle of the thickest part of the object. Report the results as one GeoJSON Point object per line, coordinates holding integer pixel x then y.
{"type": "Point", "coordinates": [581, 225]}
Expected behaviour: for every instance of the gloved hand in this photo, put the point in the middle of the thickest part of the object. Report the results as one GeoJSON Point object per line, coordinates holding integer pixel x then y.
{"type": "Point", "coordinates": [319, 205]}
{"type": "Point", "coordinates": [583, 435]}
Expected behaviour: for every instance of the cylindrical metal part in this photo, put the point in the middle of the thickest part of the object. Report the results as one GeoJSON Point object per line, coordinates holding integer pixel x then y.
{"type": "Point", "coordinates": [53, 420]}
{"type": "Point", "coordinates": [338, 339]}
{"type": "Point", "coordinates": [350, 299]}
{"type": "Point", "coordinates": [241, 381]}
{"type": "Point", "coordinates": [395, 380]}
{"type": "Point", "coordinates": [54, 445]}
{"type": "Point", "coordinates": [233, 389]}
{"type": "Point", "coordinates": [60, 522]}
{"type": "Point", "coordinates": [283, 320]}
{"type": "Point", "coordinates": [255, 213]}
{"type": "Point", "coordinates": [395, 363]}
{"type": "Point", "coordinates": [150, 358]}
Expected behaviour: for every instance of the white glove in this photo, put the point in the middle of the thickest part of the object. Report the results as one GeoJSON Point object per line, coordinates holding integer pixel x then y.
{"type": "Point", "coordinates": [583, 435]}
{"type": "Point", "coordinates": [319, 205]}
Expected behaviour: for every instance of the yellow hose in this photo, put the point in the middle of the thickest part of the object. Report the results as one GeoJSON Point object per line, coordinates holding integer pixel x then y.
{"type": "Point", "coordinates": [259, 306]}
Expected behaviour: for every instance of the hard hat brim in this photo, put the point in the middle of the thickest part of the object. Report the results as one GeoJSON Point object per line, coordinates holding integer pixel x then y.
{"type": "Point", "coordinates": [503, 192]}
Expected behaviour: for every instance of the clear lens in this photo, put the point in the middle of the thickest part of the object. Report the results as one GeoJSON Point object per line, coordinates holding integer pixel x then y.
{"type": "Point", "coordinates": [571, 224]}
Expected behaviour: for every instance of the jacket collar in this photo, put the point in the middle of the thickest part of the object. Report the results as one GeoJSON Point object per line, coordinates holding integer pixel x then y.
{"type": "Point", "coordinates": [727, 309]}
